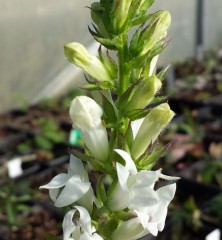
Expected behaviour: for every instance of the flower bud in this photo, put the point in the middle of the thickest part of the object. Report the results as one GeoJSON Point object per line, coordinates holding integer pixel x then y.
{"type": "Point", "coordinates": [77, 54]}
{"type": "Point", "coordinates": [144, 93]}
{"type": "Point", "coordinates": [152, 125]}
{"type": "Point", "coordinates": [120, 13]}
{"type": "Point", "coordinates": [86, 115]}
{"type": "Point", "coordinates": [141, 6]}
{"type": "Point", "coordinates": [152, 34]}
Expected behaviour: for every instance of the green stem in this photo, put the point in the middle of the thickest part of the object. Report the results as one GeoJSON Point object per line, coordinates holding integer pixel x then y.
{"type": "Point", "coordinates": [123, 66]}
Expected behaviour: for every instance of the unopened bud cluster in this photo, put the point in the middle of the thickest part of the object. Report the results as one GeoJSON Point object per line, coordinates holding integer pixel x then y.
{"type": "Point", "coordinates": [119, 199]}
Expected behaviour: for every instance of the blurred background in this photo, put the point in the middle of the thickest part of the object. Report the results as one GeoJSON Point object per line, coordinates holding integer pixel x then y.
{"type": "Point", "coordinates": [36, 87]}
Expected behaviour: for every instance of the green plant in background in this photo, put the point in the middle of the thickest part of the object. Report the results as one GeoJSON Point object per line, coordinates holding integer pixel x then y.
{"type": "Point", "coordinates": [216, 206]}
{"type": "Point", "coordinates": [212, 172]}
{"type": "Point", "coordinates": [49, 135]}
{"type": "Point", "coordinates": [12, 204]}
{"type": "Point", "coordinates": [119, 127]}
{"type": "Point", "coordinates": [187, 216]}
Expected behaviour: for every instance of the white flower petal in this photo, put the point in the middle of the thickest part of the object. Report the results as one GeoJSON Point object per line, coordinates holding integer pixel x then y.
{"type": "Point", "coordinates": [153, 65]}
{"type": "Point", "coordinates": [130, 165]}
{"type": "Point", "coordinates": [86, 236]}
{"type": "Point", "coordinates": [53, 193]}
{"type": "Point", "coordinates": [144, 178]}
{"type": "Point", "coordinates": [96, 237]}
{"type": "Point", "coordinates": [57, 182]}
{"type": "Point", "coordinates": [129, 230]}
{"type": "Point", "coordinates": [135, 125]}
{"type": "Point", "coordinates": [144, 219]}
{"type": "Point", "coordinates": [143, 197]}
{"type": "Point", "coordinates": [123, 175]}
{"type": "Point", "coordinates": [68, 225]}
{"type": "Point", "coordinates": [170, 178]}
{"type": "Point", "coordinates": [84, 220]}
{"type": "Point", "coordinates": [74, 189]}
{"type": "Point", "coordinates": [96, 140]}
{"type": "Point", "coordinates": [87, 200]}
{"type": "Point", "coordinates": [167, 193]}
{"type": "Point", "coordinates": [76, 167]}
{"type": "Point", "coordinates": [119, 200]}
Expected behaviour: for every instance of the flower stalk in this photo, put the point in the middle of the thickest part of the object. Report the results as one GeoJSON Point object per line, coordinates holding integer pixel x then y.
{"type": "Point", "coordinates": [119, 199]}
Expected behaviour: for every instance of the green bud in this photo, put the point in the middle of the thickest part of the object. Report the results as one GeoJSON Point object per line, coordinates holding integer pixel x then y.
{"type": "Point", "coordinates": [97, 14]}
{"type": "Point", "coordinates": [144, 93]}
{"type": "Point", "coordinates": [78, 55]}
{"type": "Point", "coordinates": [120, 10]}
{"type": "Point", "coordinates": [144, 40]}
{"type": "Point", "coordinates": [152, 125]}
{"type": "Point", "coordinates": [140, 7]}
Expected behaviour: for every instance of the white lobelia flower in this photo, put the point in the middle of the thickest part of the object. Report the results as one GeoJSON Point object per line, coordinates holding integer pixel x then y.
{"type": "Point", "coordinates": [77, 54]}
{"type": "Point", "coordinates": [75, 184]}
{"type": "Point", "coordinates": [146, 130]}
{"type": "Point", "coordinates": [134, 189]}
{"type": "Point", "coordinates": [81, 228]}
{"type": "Point", "coordinates": [86, 116]}
{"type": "Point", "coordinates": [148, 220]}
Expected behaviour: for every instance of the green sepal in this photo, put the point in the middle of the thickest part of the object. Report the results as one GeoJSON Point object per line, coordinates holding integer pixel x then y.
{"type": "Point", "coordinates": [134, 42]}
{"type": "Point", "coordinates": [129, 136]}
{"type": "Point", "coordinates": [80, 155]}
{"type": "Point", "coordinates": [146, 162]}
{"type": "Point", "coordinates": [112, 44]}
{"type": "Point", "coordinates": [97, 15]}
{"type": "Point", "coordinates": [98, 86]}
{"type": "Point", "coordinates": [157, 101]}
{"type": "Point", "coordinates": [107, 226]}
{"type": "Point", "coordinates": [137, 114]}
{"type": "Point", "coordinates": [162, 74]}
{"type": "Point", "coordinates": [91, 87]}
{"type": "Point", "coordinates": [108, 63]}
{"type": "Point", "coordinates": [110, 110]}
{"type": "Point", "coordinates": [101, 192]}
{"type": "Point", "coordinates": [140, 61]}
{"type": "Point", "coordinates": [127, 95]}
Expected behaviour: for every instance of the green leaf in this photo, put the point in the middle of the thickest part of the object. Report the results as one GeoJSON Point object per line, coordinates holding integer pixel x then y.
{"type": "Point", "coordinates": [110, 110]}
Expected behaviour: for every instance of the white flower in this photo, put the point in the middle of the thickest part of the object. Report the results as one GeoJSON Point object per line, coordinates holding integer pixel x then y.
{"type": "Point", "coordinates": [86, 116]}
{"type": "Point", "coordinates": [80, 229]}
{"type": "Point", "coordinates": [75, 185]}
{"type": "Point", "coordinates": [135, 191]}
{"type": "Point", "coordinates": [149, 220]}
{"type": "Point", "coordinates": [129, 230]}
{"type": "Point", "coordinates": [77, 54]}
{"type": "Point", "coordinates": [146, 130]}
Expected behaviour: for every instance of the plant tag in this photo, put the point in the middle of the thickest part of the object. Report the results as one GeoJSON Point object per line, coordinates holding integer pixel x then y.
{"type": "Point", "coordinates": [15, 167]}
{"type": "Point", "coordinates": [74, 137]}
{"type": "Point", "coordinates": [215, 235]}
